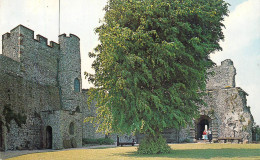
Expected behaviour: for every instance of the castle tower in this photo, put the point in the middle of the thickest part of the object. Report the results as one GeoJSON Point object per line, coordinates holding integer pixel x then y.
{"type": "Point", "coordinates": [69, 83]}
{"type": "Point", "coordinates": [69, 76]}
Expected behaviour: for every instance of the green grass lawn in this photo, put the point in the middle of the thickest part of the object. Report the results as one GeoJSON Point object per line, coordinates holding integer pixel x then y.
{"type": "Point", "coordinates": [180, 151]}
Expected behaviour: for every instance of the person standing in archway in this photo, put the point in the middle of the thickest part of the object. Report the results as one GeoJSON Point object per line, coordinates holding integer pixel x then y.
{"type": "Point", "coordinates": [204, 135]}
{"type": "Point", "coordinates": [210, 135]}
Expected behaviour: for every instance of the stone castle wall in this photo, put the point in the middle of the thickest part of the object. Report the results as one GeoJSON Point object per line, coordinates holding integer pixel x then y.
{"type": "Point", "coordinates": [10, 66]}
{"type": "Point", "coordinates": [29, 99]}
{"type": "Point", "coordinates": [38, 94]}
{"type": "Point", "coordinates": [38, 60]}
{"type": "Point", "coordinates": [10, 45]}
{"type": "Point", "coordinates": [37, 83]}
{"type": "Point", "coordinates": [67, 128]}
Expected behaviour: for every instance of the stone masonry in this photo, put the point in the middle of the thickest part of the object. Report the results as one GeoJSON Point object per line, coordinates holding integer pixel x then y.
{"type": "Point", "coordinates": [41, 100]}
{"type": "Point", "coordinates": [42, 104]}
{"type": "Point", "coordinates": [226, 112]}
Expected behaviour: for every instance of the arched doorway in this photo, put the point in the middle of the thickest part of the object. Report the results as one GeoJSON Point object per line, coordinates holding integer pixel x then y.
{"type": "Point", "coordinates": [48, 137]}
{"type": "Point", "coordinates": [201, 124]}
{"type": "Point", "coordinates": [71, 128]}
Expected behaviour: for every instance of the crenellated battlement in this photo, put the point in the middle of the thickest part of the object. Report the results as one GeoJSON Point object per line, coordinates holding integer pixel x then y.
{"type": "Point", "coordinates": [38, 58]}
{"type": "Point", "coordinates": [41, 39]}
{"type": "Point", "coordinates": [21, 33]}
{"type": "Point", "coordinates": [6, 36]}
{"type": "Point", "coordinates": [54, 45]}
{"type": "Point", "coordinates": [70, 36]}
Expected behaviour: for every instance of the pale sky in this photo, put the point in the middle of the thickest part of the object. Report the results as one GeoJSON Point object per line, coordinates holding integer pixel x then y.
{"type": "Point", "coordinates": [81, 17]}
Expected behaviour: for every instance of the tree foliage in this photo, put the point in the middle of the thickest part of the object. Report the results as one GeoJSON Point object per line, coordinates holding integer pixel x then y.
{"type": "Point", "coordinates": [150, 67]}
{"type": "Point", "coordinates": [256, 132]}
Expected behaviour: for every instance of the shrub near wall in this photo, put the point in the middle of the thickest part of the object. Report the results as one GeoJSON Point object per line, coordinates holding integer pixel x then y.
{"type": "Point", "coordinates": [100, 141]}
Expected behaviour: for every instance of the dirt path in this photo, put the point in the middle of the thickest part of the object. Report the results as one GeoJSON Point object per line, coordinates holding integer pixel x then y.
{"type": "Point", "coordinates": [10, 154]}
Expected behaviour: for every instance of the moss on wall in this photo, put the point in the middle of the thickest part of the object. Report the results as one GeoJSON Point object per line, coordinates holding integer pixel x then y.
{"type": "Point", "coordinates": [9, 115]}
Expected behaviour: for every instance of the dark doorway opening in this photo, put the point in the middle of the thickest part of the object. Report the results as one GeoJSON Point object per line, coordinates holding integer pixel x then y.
{"type": "Point", "coordinates": [1, 137]}
{"type": "Point", "coordinates": [49, 137]}
{"type": "Point", "coordinates": [201, 127]}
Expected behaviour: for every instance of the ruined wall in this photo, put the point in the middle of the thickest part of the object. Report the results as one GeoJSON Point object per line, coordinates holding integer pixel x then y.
{"type": "Point", "coordinates": [223, 76]}
{"type": "Point", "coordinates": [233, 116]}
{"type": "Point", "coordinates": [226, 104]}
{"type": "Point", "coordinates": [226, 111]}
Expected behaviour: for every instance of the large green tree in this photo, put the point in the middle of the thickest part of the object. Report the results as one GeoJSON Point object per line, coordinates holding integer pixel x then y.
{"type": "Point", "coordinates": [150, 68]}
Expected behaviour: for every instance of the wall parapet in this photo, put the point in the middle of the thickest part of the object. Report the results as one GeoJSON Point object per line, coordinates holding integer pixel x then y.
{"type": "Point", "coordinates": [6, 36]}
{"type": "Point", "coordinates": [41, 39]}
{"type": "Point", "coordinates": [22, 31]}
{"type": "Point", "coordinates": [69, 36]}
{"type": "Point", "coordinates": [54, 45]}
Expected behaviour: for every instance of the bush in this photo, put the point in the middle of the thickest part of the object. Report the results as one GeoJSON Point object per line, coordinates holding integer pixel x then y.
{"type": "Point", "coordinates": [99, 141]}
{"type": "Point", "coordinates": [153, 145]}
{"type": "Point", "coordinates": [256, 133]}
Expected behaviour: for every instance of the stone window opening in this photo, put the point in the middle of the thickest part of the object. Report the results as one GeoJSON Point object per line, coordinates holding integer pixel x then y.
{"type": "Point", "coordinates": [76, 85]}
{"type": "Point", "coordinates": [71, 128]}
{"type": "Point", "coordinates": [8, 94]}
{"type": "Point", "coordinates": [48, 137]}
{"type": "Point", "coordinates": [78, 109]}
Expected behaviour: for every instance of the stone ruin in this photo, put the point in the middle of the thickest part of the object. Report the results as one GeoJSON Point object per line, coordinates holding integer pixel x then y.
{"type": "Point", "coordinates": [226, 112]}
{"type": "Point", "coordinates": [42, 104]}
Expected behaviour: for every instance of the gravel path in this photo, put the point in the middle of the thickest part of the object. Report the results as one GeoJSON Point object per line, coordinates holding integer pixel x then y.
{"type": "Point", "coordinates": [10, 154]}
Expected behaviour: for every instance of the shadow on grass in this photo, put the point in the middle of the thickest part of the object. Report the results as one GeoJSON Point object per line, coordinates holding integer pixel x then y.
{"type": "Point", "coordinates": [202, 153]}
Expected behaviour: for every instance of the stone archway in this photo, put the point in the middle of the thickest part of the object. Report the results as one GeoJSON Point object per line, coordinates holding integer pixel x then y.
{"type": "Point", "coordinates": [201, 123]}
{"type": "Point", "coordinates": [48, 137]}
